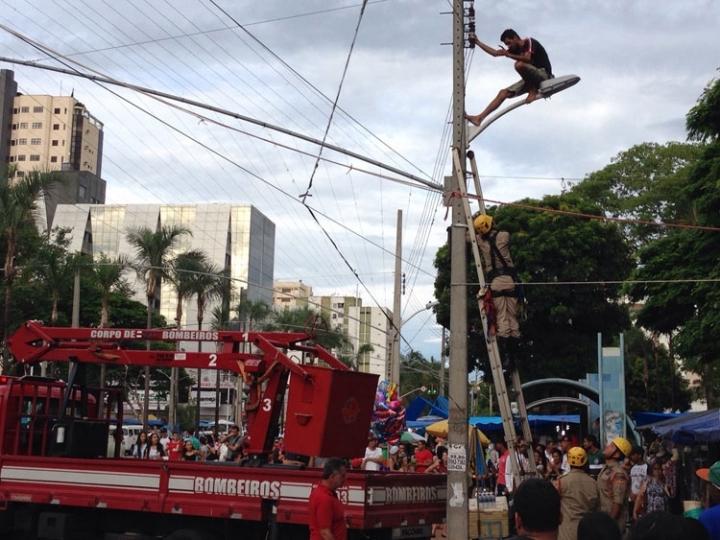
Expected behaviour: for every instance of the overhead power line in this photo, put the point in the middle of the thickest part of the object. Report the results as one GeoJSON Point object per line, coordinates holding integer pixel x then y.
{"type": "Point", "coordinates": [151, 92]}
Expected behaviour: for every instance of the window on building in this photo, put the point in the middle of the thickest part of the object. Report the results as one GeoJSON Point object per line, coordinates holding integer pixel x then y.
{"type": "Point", "coordinates": [20, 174]}
{"type": "Point", "coordinates": [35, 141]}
{"type": "Point", "coordinates": [23, 125]}
{"type": "Point", "coordinates": [82, 192]}
{"type": "Point", "coordinates": [53, 159]}
{"type": "Point", "coordinates": [34, 157]}
{"type": "Point", "coordinates": [14, 126]}
{"type": "Point", "coordinates": [57, 110]}
{"type": "Point", "coordinates": [56, 127]}
{"type": "Point", "coordinates": [21, 157]}
{"type": "Point", "coordinates": [55, 142]}
{"type": "Point", "coordinates": [24, 109]}
{"type": "Point", "coordinates": [11, 159]}
{"type": "Point", "coordinates": [22, 141]}
{"type": "Point", "coordinates": [15, 110]}
{"type": "Point", "coordinates": [13, 142]}
{"type": "Point", "coordinates": [37, 125]}
{"type": "Point", "coordinates": [39, 108]}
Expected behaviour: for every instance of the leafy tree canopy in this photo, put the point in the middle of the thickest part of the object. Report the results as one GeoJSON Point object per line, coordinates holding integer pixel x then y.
{"type": "Point", "coordinates": [559, 335]}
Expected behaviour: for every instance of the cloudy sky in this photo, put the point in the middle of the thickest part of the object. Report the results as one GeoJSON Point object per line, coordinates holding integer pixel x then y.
{"type": "Point", "coordinates": [643, 64]}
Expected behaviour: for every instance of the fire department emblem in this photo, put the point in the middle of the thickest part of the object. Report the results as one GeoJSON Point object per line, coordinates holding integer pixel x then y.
{"type": "Point", "coordinates": [350, 410]}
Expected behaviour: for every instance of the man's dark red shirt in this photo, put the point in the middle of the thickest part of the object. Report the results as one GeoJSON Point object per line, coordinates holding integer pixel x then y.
{"type": "Point", "coordinates": [326, 512]}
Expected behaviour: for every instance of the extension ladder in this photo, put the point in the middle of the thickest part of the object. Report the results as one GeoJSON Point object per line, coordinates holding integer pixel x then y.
{"type": "Point", "coordinates": [503, 396]}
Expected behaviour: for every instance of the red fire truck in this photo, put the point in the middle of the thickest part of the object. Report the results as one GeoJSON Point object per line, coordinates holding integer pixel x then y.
{"type": "Point", "coordinates": [56, 481]}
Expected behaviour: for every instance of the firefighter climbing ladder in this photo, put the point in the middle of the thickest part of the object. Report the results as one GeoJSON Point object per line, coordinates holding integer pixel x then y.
{"type": "Point", "coordinates": [501, 390]}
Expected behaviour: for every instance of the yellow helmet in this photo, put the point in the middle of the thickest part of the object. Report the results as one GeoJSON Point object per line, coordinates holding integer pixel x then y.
{"type": "Point", "coordinates": [483, 223]}
{"type": "Point", "coordinates": [577, 457]}
{"type": "Point", "coordinates": [623, 445]}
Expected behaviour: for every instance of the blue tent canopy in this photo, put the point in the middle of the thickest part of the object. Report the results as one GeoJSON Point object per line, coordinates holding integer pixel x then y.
{"type": "Point", "coordinates": [416, 408]}
{"type": "Point", "coordinates": [690, 428]}
{"type": "Point", "coordinates": [494, 423]}
{"type": "Point", "coordinates": [440, 407]}
{"type": "Point", "coordinates": [643, 418]}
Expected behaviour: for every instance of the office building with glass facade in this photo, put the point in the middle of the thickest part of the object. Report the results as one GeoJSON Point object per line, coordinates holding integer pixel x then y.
{"type": "Point", "coordinates": [235, 238]}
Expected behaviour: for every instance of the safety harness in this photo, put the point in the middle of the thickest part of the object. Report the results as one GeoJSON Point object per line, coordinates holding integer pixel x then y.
{"type": "Point", "coordinates": [503, 270]}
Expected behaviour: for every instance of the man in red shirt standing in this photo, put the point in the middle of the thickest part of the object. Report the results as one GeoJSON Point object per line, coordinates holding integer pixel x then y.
{"type": "Point", "coordinates": [423, 457]}
{"type": "Point", "coordinates": [327, 515]}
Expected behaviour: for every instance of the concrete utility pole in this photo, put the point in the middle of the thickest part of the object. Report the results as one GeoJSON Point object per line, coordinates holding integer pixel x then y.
{"type": "Point", "coordinates": [397, 305]}
{"type": "Point", "coordinates": [443, 341]}
{"type": "Point", "coordinates": [457, 478]}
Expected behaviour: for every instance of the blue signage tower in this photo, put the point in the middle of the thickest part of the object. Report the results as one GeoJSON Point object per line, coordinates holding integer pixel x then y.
{"type": "Point", "coordinates": [611, 386]}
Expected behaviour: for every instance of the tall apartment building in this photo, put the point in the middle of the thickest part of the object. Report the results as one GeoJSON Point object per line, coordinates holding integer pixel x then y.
{"type": "Point", "coordinates": [362, 326]}
{"type": "Point", "coordinates": [336, 309]}
{"type": "Point", "coordinates": [290, 295]}
{"type": "Point", "coordinates": [52, 133]}
{"type": "Point", "coordinates": [370, 326]}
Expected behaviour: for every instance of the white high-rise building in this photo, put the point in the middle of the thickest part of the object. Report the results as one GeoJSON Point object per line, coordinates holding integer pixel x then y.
{"type": "Point", "coordinates": [236, 238]}
{"type": "Point", "coordinates": [370, 326]}
{"type": "Point", "coordinates": [290, 294]}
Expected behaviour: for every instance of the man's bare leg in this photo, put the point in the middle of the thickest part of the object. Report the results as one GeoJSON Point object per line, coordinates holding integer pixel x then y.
{"type": "Point", "coordinates": [533, 94]}
{"type": "Point", "coordinates": [523, 68]}
{"type": "Point", "coordinates": [477, 119]}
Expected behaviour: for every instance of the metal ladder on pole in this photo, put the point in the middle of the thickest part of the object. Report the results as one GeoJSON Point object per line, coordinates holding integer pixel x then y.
{"type": "Point", "coordinates": [503, 396]}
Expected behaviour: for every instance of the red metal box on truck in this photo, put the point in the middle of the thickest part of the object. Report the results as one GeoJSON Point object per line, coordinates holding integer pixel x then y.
{"type": "Point", "coordinates": [329, 412]}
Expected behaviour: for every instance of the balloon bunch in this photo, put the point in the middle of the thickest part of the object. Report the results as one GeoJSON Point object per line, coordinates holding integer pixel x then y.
{"type": "Point", "coordinates": [389, 414]}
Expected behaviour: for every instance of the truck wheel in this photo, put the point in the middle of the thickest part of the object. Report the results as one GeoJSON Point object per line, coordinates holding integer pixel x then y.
{"type": "Point", "coordinates": [190, 534]}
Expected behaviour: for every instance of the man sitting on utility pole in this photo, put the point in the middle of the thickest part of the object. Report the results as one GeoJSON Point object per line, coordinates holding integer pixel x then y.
{"type": "Point", "coordinates": [531, 63]}
{"type": "Point", "coordinates": [501, 277]}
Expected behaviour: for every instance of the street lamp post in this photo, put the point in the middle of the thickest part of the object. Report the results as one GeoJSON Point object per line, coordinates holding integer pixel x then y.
{"type": "Point", "coordinates": [395, 357]}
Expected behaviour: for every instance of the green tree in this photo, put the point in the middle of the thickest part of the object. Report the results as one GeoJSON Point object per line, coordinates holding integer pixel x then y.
{"type": "Point", "coordinates": [645, 182]}
{"type": "Point", "coordinates": [182, 276]}
{"type": "Point", "coordinates": [653, 381]}
{"type": "Point", "coordinates": [251, 313]}
{"type": "Point", "coordinates": [18, 205]}
{"type": "Point", "coordinates": [153, 252]}
{"type": "Point", "coordinates": [417, 371]}
{"type": "Point", "coordinates": [304, 319]}
{"type": "Point", "coordinates": [686, 307]}
{"type": "Point", "coordinates": [559, 335]}
{"type": "Point", "coordinates": [108, 278]}
{"type": "Point", "coordinates": [53, 268]}
{"type": "Point", "coordinates": [208, 284]}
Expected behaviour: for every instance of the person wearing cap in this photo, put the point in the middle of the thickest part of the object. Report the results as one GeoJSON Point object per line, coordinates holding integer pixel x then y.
{"type": "Point", "coordinates": [710, 518]}
{"type": "Point", "coordinates": [373, 459]}
{"type": "Point", "coordinates": [613, 481]}
{"type": "Point", "coordinates": [578, 494]}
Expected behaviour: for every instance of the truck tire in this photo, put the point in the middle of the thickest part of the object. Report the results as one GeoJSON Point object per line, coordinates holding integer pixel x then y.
{"type": "Point", "coordinates": [190, 534]}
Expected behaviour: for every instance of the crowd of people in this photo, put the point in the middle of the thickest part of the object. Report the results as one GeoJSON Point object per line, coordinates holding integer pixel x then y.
{"type": "Point", "coordinates": [421, 456]}
{"type": "Point", "coordinates": [159, 444]}
{"type": "Point", "coordinates": [635, 489]}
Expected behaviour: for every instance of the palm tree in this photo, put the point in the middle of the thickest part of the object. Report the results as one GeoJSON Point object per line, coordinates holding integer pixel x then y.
{"type": "Point", "coordinates": [208, 285]}
{"type": "Point", "coordinates": [153, 252]}
{"type": "Point", "coordinates": [53, 268]}
{"type": "Point", "coordinates": [107, 278]}
{"type": "Point", "coordinates": [251, 312]}
{"type": "Point", "coordinates": [305, 319]}
{"type": "Point", "coordinates": [363, 352]}
{"type": "Point", "coordinates": [18, 204]}
{"type": "Point", "coordinates": [182, 276]}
